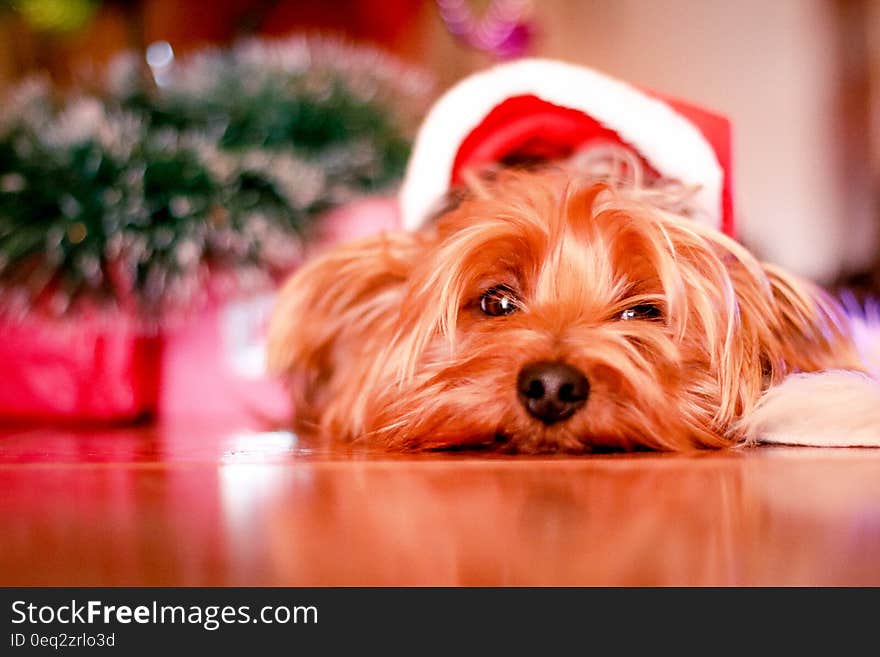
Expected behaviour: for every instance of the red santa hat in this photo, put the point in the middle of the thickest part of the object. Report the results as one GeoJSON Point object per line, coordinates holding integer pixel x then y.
{"type": "Point", "coordinates": [549, 109]}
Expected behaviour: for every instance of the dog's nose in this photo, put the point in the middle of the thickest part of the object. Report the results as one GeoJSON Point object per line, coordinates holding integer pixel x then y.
{"type": "Point", "coordinates": [552, 391]}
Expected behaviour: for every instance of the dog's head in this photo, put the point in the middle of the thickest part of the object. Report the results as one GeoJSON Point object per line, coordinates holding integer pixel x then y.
{"type": "Point", "coordinates": [546, 313]}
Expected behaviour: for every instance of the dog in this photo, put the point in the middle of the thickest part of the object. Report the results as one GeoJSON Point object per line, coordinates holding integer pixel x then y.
{"type": "Point", "coordinates": [547, 310]}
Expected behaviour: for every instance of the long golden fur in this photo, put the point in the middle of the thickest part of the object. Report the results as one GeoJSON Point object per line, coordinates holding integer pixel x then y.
{"type": "Point", "coordinates": [386, 340]}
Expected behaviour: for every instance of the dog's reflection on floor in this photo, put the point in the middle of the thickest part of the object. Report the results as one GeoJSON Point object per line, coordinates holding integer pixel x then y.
{"type": "Point", "coordinates": [730, 521]}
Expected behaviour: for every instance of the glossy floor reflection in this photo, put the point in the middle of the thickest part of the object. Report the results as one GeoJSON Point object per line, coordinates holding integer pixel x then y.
{"type": "Point", "coordinates": [201, 505]}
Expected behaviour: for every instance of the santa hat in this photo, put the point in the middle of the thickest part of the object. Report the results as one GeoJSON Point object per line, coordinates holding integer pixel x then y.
{"type": "Point", "coordinates": [549, 109]}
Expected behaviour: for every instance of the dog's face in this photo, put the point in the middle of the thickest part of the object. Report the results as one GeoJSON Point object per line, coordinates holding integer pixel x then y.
{"type": "Point", "coordinates": [542, 314]}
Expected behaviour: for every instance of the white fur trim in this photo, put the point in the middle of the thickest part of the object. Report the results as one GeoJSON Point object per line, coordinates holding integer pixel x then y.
{"type": "Point", "coordinates": [665, 138]}
{"type": "Point", "coordinates": [834, 408]}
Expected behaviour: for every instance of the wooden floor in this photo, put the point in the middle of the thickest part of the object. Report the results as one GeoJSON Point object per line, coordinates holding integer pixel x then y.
{"type": "Point", "coordinates": [195, 505]}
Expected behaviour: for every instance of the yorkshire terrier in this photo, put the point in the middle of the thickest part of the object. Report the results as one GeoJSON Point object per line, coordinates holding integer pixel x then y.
{"type": "Point", "coordinates": [552, 310]}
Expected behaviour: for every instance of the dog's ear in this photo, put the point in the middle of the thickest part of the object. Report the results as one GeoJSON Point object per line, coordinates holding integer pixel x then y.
{"type": "Point", "coordinates": [806, 330]}
{"type": "Point", "coordinates": [332, 310]}
{"type": "Point", "coordinates": [760, 324]}
{"type": "Point", "coordinates": [814, 388]}
{"type": "Point", "coordinates": [782, 325]}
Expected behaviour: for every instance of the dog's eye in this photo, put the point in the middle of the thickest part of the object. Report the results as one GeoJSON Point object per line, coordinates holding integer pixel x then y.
{"type": "Point", "coordinates": [641, 311]}
{"type": "Point", "coordinates": [499, 300]}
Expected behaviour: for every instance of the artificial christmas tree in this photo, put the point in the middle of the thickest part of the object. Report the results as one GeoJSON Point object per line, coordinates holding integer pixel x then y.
{"type": "Point", "coordinates": [129, 211]}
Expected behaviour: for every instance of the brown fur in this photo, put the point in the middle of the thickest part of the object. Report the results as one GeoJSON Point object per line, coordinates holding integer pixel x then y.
{"type": "Point", "coordinates": [383, 340]}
